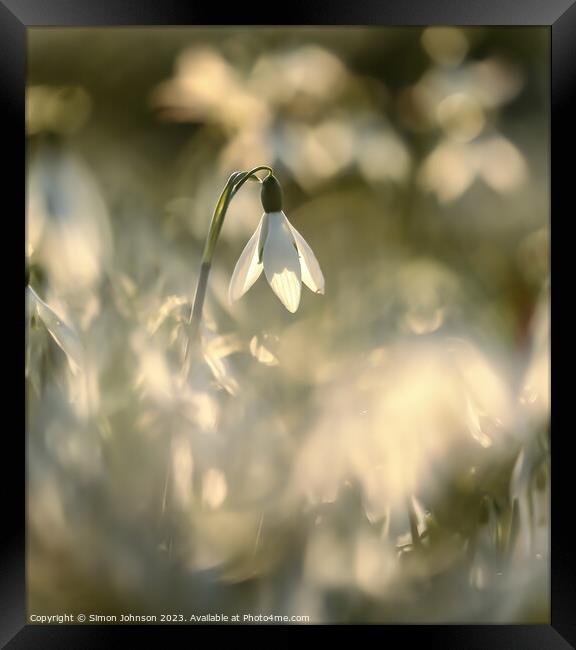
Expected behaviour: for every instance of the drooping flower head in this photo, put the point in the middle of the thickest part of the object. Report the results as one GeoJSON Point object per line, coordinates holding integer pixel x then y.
{"type": "Point", "coordinates": [278, 248]}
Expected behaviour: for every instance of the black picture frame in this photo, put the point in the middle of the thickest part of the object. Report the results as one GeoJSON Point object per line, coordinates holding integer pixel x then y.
{"type": "Point", "coordinates": [16, 16]}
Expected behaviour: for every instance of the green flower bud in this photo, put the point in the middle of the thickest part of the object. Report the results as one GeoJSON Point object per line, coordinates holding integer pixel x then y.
{"type": "Point", "coordinates": [271, 195]}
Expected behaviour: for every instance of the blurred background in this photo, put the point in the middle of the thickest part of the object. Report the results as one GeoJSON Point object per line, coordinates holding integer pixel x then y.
{"type": "Point", "coordinates": [380, 456]}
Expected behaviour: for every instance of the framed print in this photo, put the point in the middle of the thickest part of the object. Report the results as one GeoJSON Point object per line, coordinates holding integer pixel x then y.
{"type": "Point", "coordinates": [287, 321]}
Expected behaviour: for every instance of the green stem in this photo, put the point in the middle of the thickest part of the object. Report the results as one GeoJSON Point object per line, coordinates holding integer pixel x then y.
{"type": "Point", "coordinates": [413, 519]}
{"type": "Point", "coordinates": [235, 182]}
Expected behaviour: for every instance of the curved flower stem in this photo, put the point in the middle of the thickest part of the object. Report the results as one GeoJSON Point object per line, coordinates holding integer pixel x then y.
{"type": "Point", "coordinates": [235, 182]}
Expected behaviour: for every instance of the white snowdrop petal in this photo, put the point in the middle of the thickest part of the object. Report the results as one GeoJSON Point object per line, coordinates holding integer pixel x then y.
{"type": "Point", "coordinates": [281, 262]}
{"type": "Point", "coordinates": [311, 273]}
{"type": "Point", "coordinates": [247, 269]}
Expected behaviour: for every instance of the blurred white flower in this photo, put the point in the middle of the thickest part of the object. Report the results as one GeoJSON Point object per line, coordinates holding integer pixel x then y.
{"type": "Point", "coordinates": [310, 74]}
{"type": "Point", "coordinates": [398, 416]}
{"type": "Point", "coordinates": [287, 260]}
{"type": "Point", "coordinates": [492, 82]}
{"type": "Point", "coordinates": [206, 87]}
{"type": "Point", "coordinates": [67, 220]}
{"type": "Point", "coordinates": [447, 46]}
{"type": "Point", "coordinates": [451, 168]}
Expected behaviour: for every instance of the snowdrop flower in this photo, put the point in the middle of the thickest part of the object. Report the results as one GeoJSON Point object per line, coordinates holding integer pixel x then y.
{"type": "Point", "coordinates": [280, 250]}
